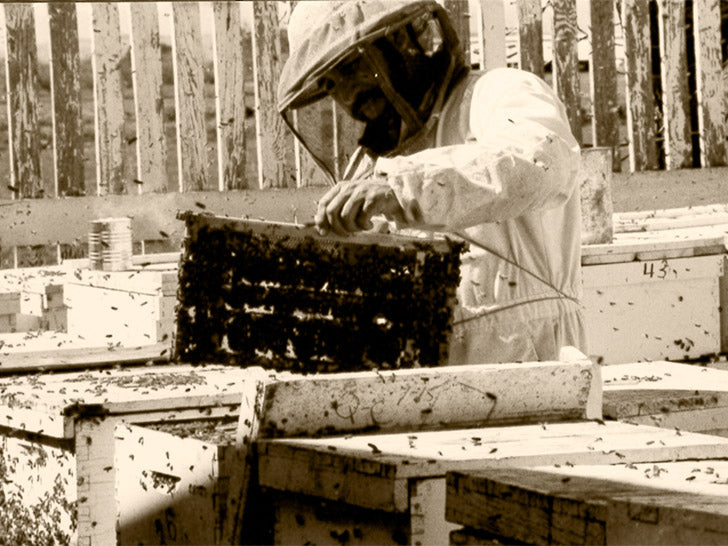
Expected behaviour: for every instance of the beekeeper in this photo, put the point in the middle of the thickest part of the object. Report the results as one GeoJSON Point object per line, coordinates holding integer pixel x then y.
{"type": "Point", "coordinates": [488, 156]}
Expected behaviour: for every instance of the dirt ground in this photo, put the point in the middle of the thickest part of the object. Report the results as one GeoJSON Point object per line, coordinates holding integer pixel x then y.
{"type": "Point", "coordinates": [663, 189]}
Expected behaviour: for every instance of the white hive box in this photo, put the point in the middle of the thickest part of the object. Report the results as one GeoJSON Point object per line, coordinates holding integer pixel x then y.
{"type": "Point", "coordinates": [654, 295]}
{"type": "Point", "coordinates": [57, 437]}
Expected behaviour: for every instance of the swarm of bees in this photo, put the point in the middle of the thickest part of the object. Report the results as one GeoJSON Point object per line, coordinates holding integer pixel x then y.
{"type": "Point", "coordinates": [285, 298]}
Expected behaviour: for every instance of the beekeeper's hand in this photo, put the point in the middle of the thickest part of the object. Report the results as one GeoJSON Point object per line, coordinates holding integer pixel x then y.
{"type": "Point", "coordinates": [349, 206]}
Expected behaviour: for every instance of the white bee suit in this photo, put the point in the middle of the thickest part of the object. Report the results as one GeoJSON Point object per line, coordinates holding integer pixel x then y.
{"type": "Point", "coordinates": [501, 167]}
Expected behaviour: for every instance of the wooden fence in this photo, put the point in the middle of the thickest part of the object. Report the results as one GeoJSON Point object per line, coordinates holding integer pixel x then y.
{"type": "Point", "coordinates": [128, 136]}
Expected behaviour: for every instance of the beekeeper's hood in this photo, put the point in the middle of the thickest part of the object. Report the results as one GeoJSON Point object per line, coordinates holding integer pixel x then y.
{"type": "Point", "coordinates": [325, 35]}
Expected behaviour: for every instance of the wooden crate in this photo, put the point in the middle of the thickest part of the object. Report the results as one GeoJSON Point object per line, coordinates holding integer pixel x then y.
{"type": "Point", "coordinates": [654, 295]}
{"type": "Point", "coordinates": [682, 502]}
{"type": "Point", "coordinates": [401, 477]}
{"type": "Point", "coordinates": [172, 481]}
{"type": "Point", "coordinates": [136, 307]}
{"type": "Point", "coordinates": [668, 394]}
{"type": "Point", "coordinates": [72, 417]}
{"type": "Point", "coordinates": [326, 404]}
{"type": "Point", "coordinates": [20, 311]}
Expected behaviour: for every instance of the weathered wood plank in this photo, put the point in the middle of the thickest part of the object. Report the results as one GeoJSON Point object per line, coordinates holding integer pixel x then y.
{"type": "Point", "coordinates": [189, 97]}
{"type": "Point", "coordinates": [21, 69]}
{"type": "Point", "coordinates": [493, 32]}
{"type": "Point", "coordinates": [246, 434]}
{"type": "Point", "coordinates": [530, 34]}
{"type": "Point", "coordinates": [146, 59]}
{"type": "Point", "coordinates": [108, 101]}
{"type": "Point", "coordinates": [168, 486]}
{"type": "Point", "coordinates": [566, 62]}
{"type": "Point", "coordinates": [641, 125]}
{"type": "Point", "coordinates": [367, 470]}
{"type": "Point", "coordinates": [460, 16]}
{"type": "Point", "coordinates": [603, 76]}
{"type": "Point", "coordinates": [66, 92]}
{"type": "Point", "coordinates": [276, 162]}
{"type": "Point", "coordinates": [228, 50]}
{"type": "Point", "coordinates": [711, 89]}
{"type": "Point", "coordinates": [444, 397]}
{"type": "Point", "coordinates": [669, 395]}
{"type": "Point", "coordinates": [672, 502]}
{"type": "Point", "coordinates": [674, 75]}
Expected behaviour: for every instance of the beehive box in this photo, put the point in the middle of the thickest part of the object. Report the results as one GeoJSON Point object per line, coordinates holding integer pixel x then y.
{"type": "Point", "coordinates": [57, 436]}
{"type": "Point", "coordinates": [137, 307]}
{"type": "Point", "coordinates": [173, 478]}
{"type": "Point", "coordinates": [659, 503]}
{"type": "Point", "coordinates": [283, 297]}
{"type": "Point", "coordinates": [668, 394]}
{"type": "Point", "coordinates": [172, 481]}
{"type": "Point", "coordinates": [654, 295]}
{"type": "Point", "coordinates": [390, 488]}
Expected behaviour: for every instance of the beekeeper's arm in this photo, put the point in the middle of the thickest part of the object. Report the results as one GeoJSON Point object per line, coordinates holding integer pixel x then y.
{"type": "Point", "coordinates": [523, 157]}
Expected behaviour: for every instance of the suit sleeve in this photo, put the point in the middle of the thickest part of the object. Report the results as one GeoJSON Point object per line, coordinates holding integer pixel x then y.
{"type": "Point", "coordinates": [520, 156]}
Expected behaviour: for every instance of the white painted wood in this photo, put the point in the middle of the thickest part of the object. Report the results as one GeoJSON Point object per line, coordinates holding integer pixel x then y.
{"type": "Point", "coordinates": [50, 401]}
{"type": "Point", "coordinates": [167, 487]}
{"type": "Point", "coordinates": [639, 94]}
{"type": "Point", "coordinates": [85, 408]}
{"type": "Point", "coordinates": [442, 397]}
{"type": "Point", "coordinates": [674, 79]}
{"type": "Point", "coordinates": [667, 394]}
{"type": "Point", "coordinates": [427, 517]}
{"type": "Point", "coordinates": [228, 55]}
{"type": "Point", "coordinates": [367, 468]}
{"type": "Point", "coordinates": [653, 310]}
{"type": "Point", "coordinates": [108, 102]}
{"type": "Point", "coordinates": [711, 89]}
{"type": "Point", "coordinates": [146, 62]}
{"type": "Point", "coordinates": [492, 33]}
{"type": "Point", "coordinates": [652, 245]}
{"type": "Point", "coordinates": [189, 97]}
{"type": "Point", "coordinates": [241, 459]}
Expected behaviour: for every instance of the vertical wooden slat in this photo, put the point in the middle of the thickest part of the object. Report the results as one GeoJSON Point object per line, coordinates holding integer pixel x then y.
{"type": "Point", "coordinates": [603, 75]}
{"type": "Point", "coordinates": [460, 16]}
{"type": "Point", "coordinates": [493, 25]}
{"type": "Point", "coordinates": [276, 162]}
{"type": "Point", "coordinates": [710, 85]}
{"type": "Point", "coordinates": [641, 125]}
{"type": "Point", "coordinates": [189, 96]}
{"type": "Point", "coordinates": [566, 61]}
{"type": "Point", "coordinates": [530, 35]}
{"type": "Point", "coordinates": [146, 59]}
{"type": "Point", "coordinates": [21, 71]}
{"type": "Point", "coordinates": [674, 73]}
{"type": "Point", "coordinates": [66, 91]}
{"type": "Point", "coordinates": [230, 95]}
{"type": "Point", "coordinates": [109, 105]}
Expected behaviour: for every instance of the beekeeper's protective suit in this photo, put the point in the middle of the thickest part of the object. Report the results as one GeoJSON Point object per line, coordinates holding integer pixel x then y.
{"type": "Point", "coordinates": [487, 155]}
